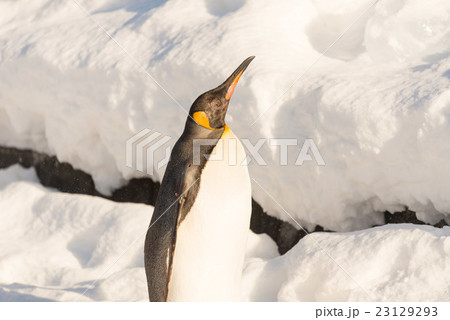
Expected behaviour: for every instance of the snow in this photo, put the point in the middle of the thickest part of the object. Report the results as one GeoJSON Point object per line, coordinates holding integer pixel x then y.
{"type": "Point", "coordinates": [376, 102]}
{"type": "Point", "coordinates": [260, 246]}
{"type": "Point", "coordinates": [404, 32]}
{"type": "Point", "coordinates": [55, 246]}
{"type": "Point", "coordinates": [64, 247]}
{"type": "Point", "coordinates": [389, 263]}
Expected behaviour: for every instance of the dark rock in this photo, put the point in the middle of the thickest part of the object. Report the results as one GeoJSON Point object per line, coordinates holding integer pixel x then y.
{"type": "Point", "coordinates": [143, 190]}
{"type": "Point", "coordinates": [64, 177]}
{"type": "Point", "coordinates": [406, 216]}
{"type": "Point", "coordinates": [283, 233]}
{"type": "Point", "coordinates": [49, 170]}
{"type": "Point", "coordinates": [10, 156]}
{"type": "Point", "coordinates": [441, 224]}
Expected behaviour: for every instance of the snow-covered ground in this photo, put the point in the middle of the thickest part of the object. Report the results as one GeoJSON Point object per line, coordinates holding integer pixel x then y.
{"type": "Point", "coordinates": [54, 245]}
{"type": "Point", "coordinates": [389, 263]}
{"type": "Point", "coordinates": [62, 247]}
{"type": "Point", "coordinates": [376, 102]}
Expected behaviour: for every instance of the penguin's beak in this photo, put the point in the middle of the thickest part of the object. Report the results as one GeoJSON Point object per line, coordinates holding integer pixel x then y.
{"type": "Point", "coordinates": [232, 80]}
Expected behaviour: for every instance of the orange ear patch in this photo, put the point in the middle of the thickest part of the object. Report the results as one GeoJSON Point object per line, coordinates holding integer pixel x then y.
{"type": "Point", "coordinates": [201, 118]}
{"type": "Point", "coordinates": [232, 86]}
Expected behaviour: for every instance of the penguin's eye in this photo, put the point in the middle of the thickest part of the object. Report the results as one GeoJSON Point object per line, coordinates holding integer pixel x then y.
{"type": "Point", "coordinates": [216, 103]}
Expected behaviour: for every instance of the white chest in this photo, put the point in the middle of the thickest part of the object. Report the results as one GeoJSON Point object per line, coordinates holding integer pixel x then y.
{"type": "Point", "coordinates": [211, 241]}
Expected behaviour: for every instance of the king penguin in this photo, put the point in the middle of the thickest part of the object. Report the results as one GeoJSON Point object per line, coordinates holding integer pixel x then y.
{"type": "Point", "coordinates": [195, 245]}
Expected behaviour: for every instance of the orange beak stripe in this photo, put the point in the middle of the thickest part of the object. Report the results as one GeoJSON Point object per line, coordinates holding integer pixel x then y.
{"type": "Point", "coordinates": [232, 86]}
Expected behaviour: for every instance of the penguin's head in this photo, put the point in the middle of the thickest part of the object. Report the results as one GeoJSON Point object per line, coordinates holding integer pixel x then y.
{"type": "Point", "coordinates": [210, 108]}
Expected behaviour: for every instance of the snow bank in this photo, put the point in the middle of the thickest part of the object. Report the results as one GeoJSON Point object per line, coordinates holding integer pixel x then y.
{"type": "Point", "coordinates": [56, 245]}
{"type": "Point", "coordinates": [389, 263]}
{"type": "Point", "coordinates": [261, 246]}
{"type": "Point", "coordinates": [376, 103]}
{"type": "Point", "coordinates": [403, 31]}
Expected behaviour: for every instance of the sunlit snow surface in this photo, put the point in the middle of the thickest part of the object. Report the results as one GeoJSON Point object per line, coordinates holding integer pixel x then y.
{"type": "Point", "coordinates": [62, 247]}
{"type": "Point", "coordinates": [55, 245]}
{"type": "Point", "coordinates": [376, 103]}
{"type": "Point", "coordinates": [389, 263]}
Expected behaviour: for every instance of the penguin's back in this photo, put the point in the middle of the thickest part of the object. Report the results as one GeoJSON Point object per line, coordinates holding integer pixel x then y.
{"type": "Point", "coordinates": [210, 242]}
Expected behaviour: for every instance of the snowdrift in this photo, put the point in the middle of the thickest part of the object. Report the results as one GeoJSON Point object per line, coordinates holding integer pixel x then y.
{"type": "Point", "coordinates": [389, 263]}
